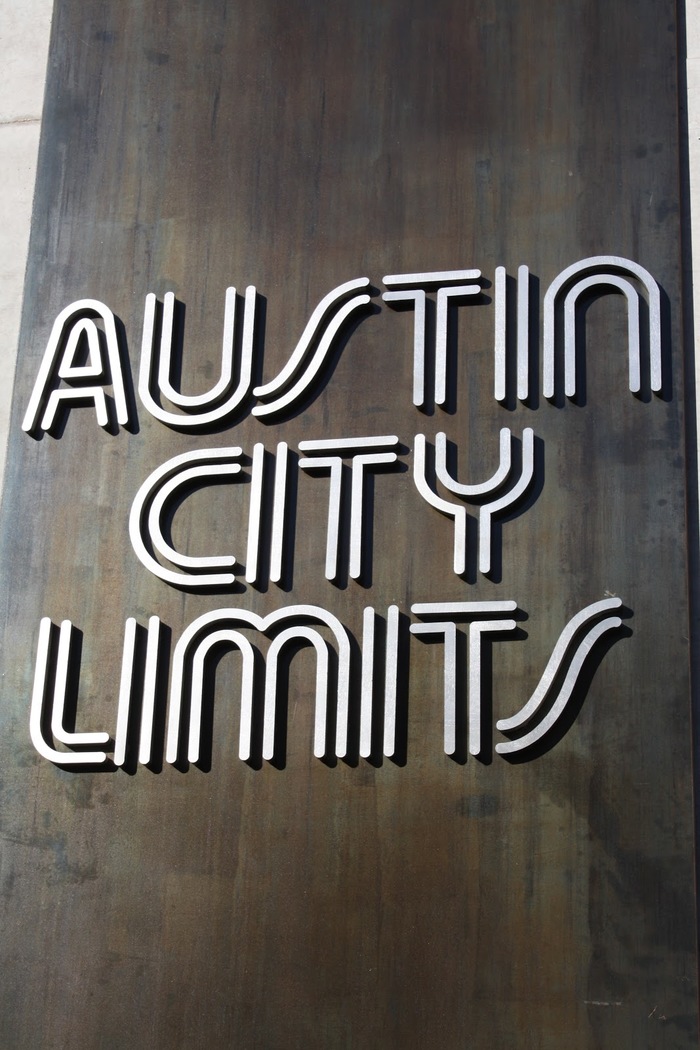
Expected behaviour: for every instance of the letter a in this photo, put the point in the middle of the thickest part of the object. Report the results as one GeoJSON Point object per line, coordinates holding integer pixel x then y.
{"type": "Point", "coordinates": [86, 382]}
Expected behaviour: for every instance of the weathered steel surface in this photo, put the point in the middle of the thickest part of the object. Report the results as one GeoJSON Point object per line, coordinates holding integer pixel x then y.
{"type": "Point", "coordinates": [427, 902]}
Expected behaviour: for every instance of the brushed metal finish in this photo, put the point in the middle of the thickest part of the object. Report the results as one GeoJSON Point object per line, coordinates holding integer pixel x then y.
{"type": "Point", "coordinates": [174, 888]}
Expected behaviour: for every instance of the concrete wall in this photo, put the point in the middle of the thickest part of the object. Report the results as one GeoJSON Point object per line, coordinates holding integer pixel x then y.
{"type": "Point", "coordinates": [24, 42]}
{"type": "Point", "coordinates": [693, 73]}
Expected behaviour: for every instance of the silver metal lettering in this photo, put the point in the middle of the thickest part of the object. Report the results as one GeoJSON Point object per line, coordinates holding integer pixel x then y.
{"type": "Point", "coordinates": [74, 323]}
{"type": "Point", "coordinates": [223, 398]}
{"type": "Point", "coordinates": [606, 268]}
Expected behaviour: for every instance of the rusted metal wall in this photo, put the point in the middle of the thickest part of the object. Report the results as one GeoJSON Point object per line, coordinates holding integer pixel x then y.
{"type": "Point", "coordinates": [427, 901]}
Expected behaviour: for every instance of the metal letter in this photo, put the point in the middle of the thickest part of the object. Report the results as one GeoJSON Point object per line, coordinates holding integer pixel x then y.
{"type": "Point", "coordinates": [223, 399]}
{"type": "Point", "coordinates": [301, 369]}
{"type": "Point", "coordinates": [69, 326]}
{"type": "Point", "coordinates": [334, 464]}
{"type": "Point", "coordinates": [156, 489]}
{"type": "Point", "coordinates": [413, 290]}
{"type": "Point", "coordinates": [452, 510]}
{"type": "Point", "coordinates": [190, 640]}
{"type": "Point", "coordinates": [542, 694]}
{"type": "Point", "coordinates": [457, 611]}
{"type": "Point", "coordinates": [603, 264]}
{"type": "Point", "coordinates": [59, 664]}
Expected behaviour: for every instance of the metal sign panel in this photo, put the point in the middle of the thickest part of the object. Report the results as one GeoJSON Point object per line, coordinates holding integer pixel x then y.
{"type": "Point", "coordinates": [345, 692]}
